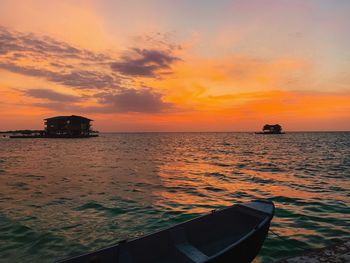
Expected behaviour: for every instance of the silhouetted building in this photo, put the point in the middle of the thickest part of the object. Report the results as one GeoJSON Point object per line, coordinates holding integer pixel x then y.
{"type": "Point", "coordinates": [67, 126]}
{"type": "Point", "coordinates": [60, 127]}
{"type": "Point", "coordinates": [272, 129]}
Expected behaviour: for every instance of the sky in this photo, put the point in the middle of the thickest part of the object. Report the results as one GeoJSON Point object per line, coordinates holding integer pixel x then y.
{"type": "Point", "coordinates": [185, 65]}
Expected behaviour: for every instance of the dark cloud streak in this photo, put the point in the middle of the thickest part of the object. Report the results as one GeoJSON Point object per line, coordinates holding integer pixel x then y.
{"type": "Point", "coordinates": [130, 100]}
{"type": "Point", "coordinates": [51, 95]}
{"type": "Point", "coordinates": [145, 62]}
{"type": "Point", "coordinates": [79, 79]}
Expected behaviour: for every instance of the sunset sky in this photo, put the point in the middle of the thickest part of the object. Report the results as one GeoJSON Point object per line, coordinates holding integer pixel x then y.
{"type": "Point", "coordinates": [184, 65]}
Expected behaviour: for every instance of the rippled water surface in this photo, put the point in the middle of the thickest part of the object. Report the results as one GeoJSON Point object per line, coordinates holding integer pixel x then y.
{"type": "Point", "coordinates": [61, 197]}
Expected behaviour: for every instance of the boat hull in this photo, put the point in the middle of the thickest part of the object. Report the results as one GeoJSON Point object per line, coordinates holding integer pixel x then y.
{"type": "Point", "coordinates": [246, 251]}
{"type": "Point", "coordinates": [233, 234]}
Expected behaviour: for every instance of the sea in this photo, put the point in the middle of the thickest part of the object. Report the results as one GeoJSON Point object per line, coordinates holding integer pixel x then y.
{"type": "Point", "coordinates": [64, 197]}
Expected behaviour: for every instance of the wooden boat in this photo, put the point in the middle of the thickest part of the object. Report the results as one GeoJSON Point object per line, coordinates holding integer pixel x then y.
{"type": "Point", "coordinates": [233, 234]}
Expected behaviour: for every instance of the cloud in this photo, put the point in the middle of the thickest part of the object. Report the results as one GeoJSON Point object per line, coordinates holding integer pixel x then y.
{"type": "Point", "coordinates": [78, 79]}
{"type": "Point", "coordinates": [59, 62]}
{"type": "Point", "coordinates": [108, 78]}
{"type": "Point", "coordinates": [126, 100]}
{"type": "Point", "coordinates": [43, 46]}
{"type": "Point", "coordinates": [51, 95]}
{"type": "Point", "coordinates": [130, 100]}
{"type": "Point", "coordinates": [145, 62]}
{"type": "Point", "coordinates": [55, 61]}
{"type": "Point", "coordinates": [85, 79]}
{"type": "Point", "coordinates": [161, 40]}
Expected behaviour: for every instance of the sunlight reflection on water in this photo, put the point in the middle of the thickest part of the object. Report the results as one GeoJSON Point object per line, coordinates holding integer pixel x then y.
{"type": "Point", "coordinates": [60, 197]}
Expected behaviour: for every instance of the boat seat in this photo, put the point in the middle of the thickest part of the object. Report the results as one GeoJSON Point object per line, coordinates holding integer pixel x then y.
{"type": "Point", "coordinates": [192, 254]}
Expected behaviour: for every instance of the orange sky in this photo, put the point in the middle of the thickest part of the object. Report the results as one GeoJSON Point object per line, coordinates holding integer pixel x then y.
{"type": "Point", "coordinates": [224, 65]}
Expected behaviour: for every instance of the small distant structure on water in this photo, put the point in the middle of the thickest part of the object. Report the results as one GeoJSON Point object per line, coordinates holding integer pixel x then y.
{"type": "Point", "coordinates": [271, 129]}
{"type": "Point", "coordinates": [62, 127]}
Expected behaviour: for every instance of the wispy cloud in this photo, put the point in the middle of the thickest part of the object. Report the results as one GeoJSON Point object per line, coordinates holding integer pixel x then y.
{"type": "Point", "coordinates": [80, 69]}
{"type": "Point", "coordinates": [43, 46]}
{"type": "Point", "coordinates": [62, 63]}
{"type": "Point", "coordinates": [55, 61]}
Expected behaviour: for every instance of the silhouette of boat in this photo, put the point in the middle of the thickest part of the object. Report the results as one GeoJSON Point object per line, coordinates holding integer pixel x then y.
{"type": "Point", "coordinates": [271, 129]}
{"type": "Point", "coordinates": [233, 234]}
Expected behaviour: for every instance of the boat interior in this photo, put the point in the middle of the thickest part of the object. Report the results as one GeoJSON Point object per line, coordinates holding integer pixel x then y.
{"type": "Point", "coordinates": [195, 241]}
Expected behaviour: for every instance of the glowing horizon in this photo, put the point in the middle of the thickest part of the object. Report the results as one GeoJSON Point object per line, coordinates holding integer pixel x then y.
{"type": "Point", "coordinates": [228, 65]}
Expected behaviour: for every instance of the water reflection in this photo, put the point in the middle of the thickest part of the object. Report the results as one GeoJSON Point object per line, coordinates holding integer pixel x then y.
{"type": "Point", "coordinates": [79, 195]}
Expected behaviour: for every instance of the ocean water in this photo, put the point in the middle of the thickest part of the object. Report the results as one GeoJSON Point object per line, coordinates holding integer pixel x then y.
{"type": "Point", "coordinates": [62, 197]}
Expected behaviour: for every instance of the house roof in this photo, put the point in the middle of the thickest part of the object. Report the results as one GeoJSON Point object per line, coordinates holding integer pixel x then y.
{"type": "Point", "coordinates": [67, 118]}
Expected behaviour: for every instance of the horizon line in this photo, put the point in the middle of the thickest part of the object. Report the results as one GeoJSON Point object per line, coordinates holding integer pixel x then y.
{"type": "Point", "coordinates": [296, 131]}
{"type": "Point", "coordinates": [250, 131]}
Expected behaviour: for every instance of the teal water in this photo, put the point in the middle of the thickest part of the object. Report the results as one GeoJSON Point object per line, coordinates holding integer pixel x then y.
{"type": "Point", "coordinates": [62, 197]}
